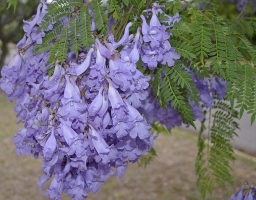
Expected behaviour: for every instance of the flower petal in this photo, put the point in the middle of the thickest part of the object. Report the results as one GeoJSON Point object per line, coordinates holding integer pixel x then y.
{"type": "Point", "coordinates": [50, 146]}
{"type": "Point", "coordinates": [96, 104]}
{"type": "Point", "coordinates": [98, 142]}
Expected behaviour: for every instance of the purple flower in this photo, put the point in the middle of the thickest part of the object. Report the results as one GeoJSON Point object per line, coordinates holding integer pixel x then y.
{"type": "Point", "coordinates": [7, 85]}
{"type": "Point", "coordinates": [198, 111]}
{"type": "Point", "coordinates": [50, 146]}
{"type": "Point", "coordinates": [218, 86]}
{"type": "Point", "coordinates": [203, 88]}
{"type": "Point", "coordinates": [77, 119]}
{"type": "Point", "coordinates": [13, 66]}
{"type": "Point", "coordinates": [71, 90]}
{"type": "Point", "coordinates": [103, 50]}
{"type": "Point", "coordinates": [29, 25]}
{"type": "Point", "coordinates": [123, 40]}
{"type": "Point", "coordinates": [238, 195]}
{"type": "Point", "coordinates": [120, 166]}
{"type": "Point", "coordinates": [169, 54]}
{"type": "Point", "coordinates": [18, 140]}
{"type": "Point", "coordinates": [55, 189]}
{"type": "Point", "coordinates": [121, 128]}
{"type": "Point", "coordinates": [152, 57]}
{"type": "Point", "coordinates": [136, 99]}
{"type": "Point", "coordinates": [79, 69]}
{"type": "Point", "coordinates": [155, 33]}
{"type": "Point", "coordinates": [76, 188]}
{"type": "Point", "coordinates": [114, 97]}
{"type": "Point", "coordinates": [140, 127]}
{"type": "Point", "coordinates": [206, 98]}
{"type": "Point", "coordinates": [171, 20]}
{"type": "Point", "coordinates": [67, 132]}
{"type": "Point", "coordinates": [120, 75]}
{"type": "Point", "coordinates": [154, 20]}
{"type": "Point", "coordinates": [99, 143]}
{"type": "Point", "coordinates": [249, 195]}
{"type": "Point", "coordinates": [96, 104]}
{"type": "Point", "coordinates": [129, 59]}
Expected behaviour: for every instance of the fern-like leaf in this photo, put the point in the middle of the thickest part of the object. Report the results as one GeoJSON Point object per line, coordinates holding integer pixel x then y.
{"type": "Point", "coordinates": [71, 23]}
{"type": "Point", "coordinates": [157, 81]}
{"type": "Point", "coordinates": [184, 49]}
{"type": "Point", "coordinates": [201, 35]}
{"type": "Point", "coordinates": [99, 15]}
{"type": "Point", "coordinates": [184, 79]}
{"type": "Point", "coordinates": [147, 158]}
{"type": "Point", "coordinates": [86, 37]}
{"type": "Point", "coordinates": [252, 101]}
{"type": "Point", "coordinates": [114, 8]}
{"type": "Point", "coordinates": [74, 25]}
{"type": "Point", "coordinates": [171, 91]}
{"type": "Point", "coordinates": [213, 159]}
{"type": "Point", "coordinates": [59, 50]}
{"type": "Point", "coordinates": [244, 83]}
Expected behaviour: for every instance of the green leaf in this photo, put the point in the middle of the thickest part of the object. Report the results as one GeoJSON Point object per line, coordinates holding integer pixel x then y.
{"type": "Point", "coordinates": [158, 128]}
{"type": "Point", "coordinates": [184, 49]}
{"type": "Point", "coordinates": [147, 158]}
{"type": "Point", "coordinates": [171, 91]}
{"type": "Point", "coordinates": [99, 15]}
{"type": "Point", "coordinates": [126, 2]}
{"type": "Point", "coordinates": [86, 37]}
{"type": "Point", "coordinates": [114, 8]}
{"type": "Point", "coordinates": [13, 3]}
{"type": "Point", "coordinates": [213, 159]}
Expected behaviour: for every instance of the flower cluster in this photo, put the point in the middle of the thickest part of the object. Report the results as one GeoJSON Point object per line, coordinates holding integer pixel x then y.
{"type": "Point", "coordinates": [156, 47]}
{"type": "Point", "coordinates": [90, 117]}
{"type": "Point", "coordinates": [83, 119]}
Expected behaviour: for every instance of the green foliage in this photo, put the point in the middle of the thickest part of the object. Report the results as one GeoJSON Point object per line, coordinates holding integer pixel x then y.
{"type": "Point", "coordinates": [13, 3]}
{"type": "Point", "coordinates": [158, 128]}
{"type": "Point", "coordinates": [218, 46]}
{"type": "Point", "coordinates": [84, 25]}
{"type": "Point", "coordinates": [170, 92]}
{"type": "Point", "coordinates": [71, 27]}
{"type": "Point", "coordinates": [141, 5]}
{"type": "Point", "coordinates": [157, 81]}
{"type": "Point", "coordinates": [147, 158]}
{"type": "Point", "coordinates": [59, 50]}
{"type": "Point", "coordinates": [172, 6]}
{"type": "Point", "coordinates": [114, 8]}
{"type": "Point", "coordinates": [213, 158]}
{"type": "Point", "coordinates": [176, 86]}
{"type": "Point", "coordinates": [11, 22]}
{"type": "Point", "coordinates": [184, 49]}
{"type": "Point", "coordinates": [246, 26]}
{"type": "Point", "coordinates": [99, 16]}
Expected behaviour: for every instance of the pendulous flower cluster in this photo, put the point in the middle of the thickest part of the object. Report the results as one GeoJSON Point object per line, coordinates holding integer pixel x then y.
{"type": "Point", "coordinates": [83, 119]}
{"type": "Point", "coordinates": [92, 115]}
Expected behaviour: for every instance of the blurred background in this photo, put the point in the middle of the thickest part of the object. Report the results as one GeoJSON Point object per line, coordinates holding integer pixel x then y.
{"type": "Point", "coordinates": [169, 177]}
{"type": "Point", "coordinates": [11, 23]}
